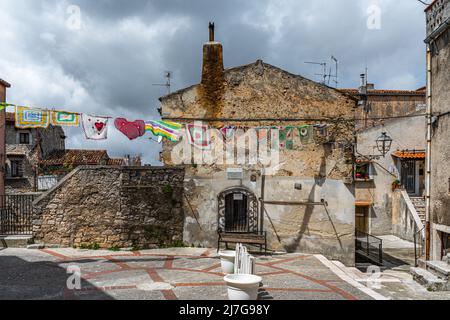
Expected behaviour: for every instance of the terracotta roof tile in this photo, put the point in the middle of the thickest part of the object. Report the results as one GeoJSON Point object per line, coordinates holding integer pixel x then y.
{"type": "Point", "coordinates": [76, 157]}
{"type": "Point", "coordinates": [419, 92]}
{"type": "Point", "coordinates": [116, 162]}
{"type": "Point", "coordinates": [410, 154]}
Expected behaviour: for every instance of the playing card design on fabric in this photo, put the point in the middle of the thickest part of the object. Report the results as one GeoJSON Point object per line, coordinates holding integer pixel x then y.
{"type": "Point", "coordinates": [289, 143]}
{"type": "Point", "coordinates": [282, 132]}
{"type": "Point", "coordinates": [228, 132]}
{"type": "Point", "coordinates": [31, 118]}
{"type": "Point", "coordinates": [305, 133]}
{"type": "Point", "coordinates": [198, 136]}
{"type": "Point", "coordinates": [61, 118]}
{"type": "Point", "coordinates": [166, 129]}
{"type": "Point", "coordinates": [95, 128]}
{"type": "Point", "coordinates": [132, 130]}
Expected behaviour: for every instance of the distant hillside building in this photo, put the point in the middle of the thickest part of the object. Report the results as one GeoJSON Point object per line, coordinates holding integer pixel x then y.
{"type": "Point", "coordinates": [37, 158]}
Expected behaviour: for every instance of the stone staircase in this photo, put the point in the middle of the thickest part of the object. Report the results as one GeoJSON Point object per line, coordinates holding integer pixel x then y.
{"type": "Point", "coordinates": [419, 204]}
{"type": "Point", "coordinates": [434, 275]}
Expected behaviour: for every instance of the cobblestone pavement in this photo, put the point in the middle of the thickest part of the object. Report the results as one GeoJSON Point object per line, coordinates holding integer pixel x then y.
{"type": "Point", "coordinates": [182, 273]}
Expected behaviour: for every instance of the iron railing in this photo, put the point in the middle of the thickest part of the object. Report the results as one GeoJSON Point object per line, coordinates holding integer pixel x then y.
{"type": "Point", "coordinates": [370, 246]}
{"type": "Point", "coordinates": [419, 244]}
{"type": "Point", "coordinates": [16, 214]}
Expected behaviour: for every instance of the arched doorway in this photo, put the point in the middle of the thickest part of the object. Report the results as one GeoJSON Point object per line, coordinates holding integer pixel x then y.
{"type": "Point", "coordinates": [238, 211]}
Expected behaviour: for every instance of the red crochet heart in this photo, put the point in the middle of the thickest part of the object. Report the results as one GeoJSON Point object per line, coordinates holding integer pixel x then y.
{"type": "Point", "coordinates": [132, 130]}
{"type": "Point", "coordinates": [99, 126]}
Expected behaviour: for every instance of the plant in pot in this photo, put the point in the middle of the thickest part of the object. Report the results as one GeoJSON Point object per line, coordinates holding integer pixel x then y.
{"type": "Point", "coordinates": [396, 185]}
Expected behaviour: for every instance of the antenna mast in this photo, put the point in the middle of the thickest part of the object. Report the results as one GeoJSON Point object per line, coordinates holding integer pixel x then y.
{"type": "Point", "coordinates": [168, 84]}
{"type": "Point", "coordinates": [327, 73]}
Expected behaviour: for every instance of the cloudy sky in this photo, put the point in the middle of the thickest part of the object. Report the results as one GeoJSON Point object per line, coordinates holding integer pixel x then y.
{"type": "Point", "coordinates": [105, 62]}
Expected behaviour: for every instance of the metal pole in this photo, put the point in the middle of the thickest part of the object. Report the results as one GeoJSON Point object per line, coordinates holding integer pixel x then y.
{"type": "Point", "coordinates": [428, 159]}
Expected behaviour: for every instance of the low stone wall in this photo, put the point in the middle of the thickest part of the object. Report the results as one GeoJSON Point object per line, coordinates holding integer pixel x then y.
{"type": "Point", "coordinates": [121, 207]}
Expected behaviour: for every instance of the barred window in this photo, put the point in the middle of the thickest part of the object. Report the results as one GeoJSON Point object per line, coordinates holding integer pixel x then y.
{"type": "Point", "coordinates": [24, 138]}
{"type": "Point", "coordinates": [16, 168]}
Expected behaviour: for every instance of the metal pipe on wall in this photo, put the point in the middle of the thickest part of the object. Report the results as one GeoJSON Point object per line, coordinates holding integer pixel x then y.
{"type": "Point", "coordinates": [428, 158]}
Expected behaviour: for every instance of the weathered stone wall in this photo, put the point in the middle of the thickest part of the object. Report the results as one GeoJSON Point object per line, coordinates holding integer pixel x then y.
{"type": "Point", "coordinates": [324, 167]}
{"type": "Point", "coordinates": [112, 207]}
{"type": "Point", "coordinates": [440, 147]}
{"type": "Point", "coordinates": [394, 105]}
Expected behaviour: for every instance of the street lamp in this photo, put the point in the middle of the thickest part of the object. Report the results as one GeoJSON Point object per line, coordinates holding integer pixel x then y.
{"type": "Point", "coordinates": [384, 143]}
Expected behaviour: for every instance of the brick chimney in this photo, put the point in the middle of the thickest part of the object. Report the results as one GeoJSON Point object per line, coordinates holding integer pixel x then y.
{"type": "Point", "coordinates": [213, 79]}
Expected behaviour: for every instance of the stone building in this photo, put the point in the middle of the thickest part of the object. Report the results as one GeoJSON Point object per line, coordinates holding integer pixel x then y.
{"type": "Point", "coordinates": [37, 158]}
{"type": "Point", "coordinates": [438, 44]}
{"type": "Point", "coordinates": [376, 104]}
{"type": "Point", "coordinates": [390, 189]}
{"type": "Point", "coordinates": [306, 202]}
{"type": "Point", "coordinates": [24, 150]}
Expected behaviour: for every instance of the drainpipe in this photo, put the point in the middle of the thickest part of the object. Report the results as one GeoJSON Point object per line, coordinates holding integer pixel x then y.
{"type": "Point", "coordinates": [428, 160]}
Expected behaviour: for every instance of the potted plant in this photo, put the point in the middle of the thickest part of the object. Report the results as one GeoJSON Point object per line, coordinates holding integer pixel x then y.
{"type": "Point", "coordinates": [396, 185]}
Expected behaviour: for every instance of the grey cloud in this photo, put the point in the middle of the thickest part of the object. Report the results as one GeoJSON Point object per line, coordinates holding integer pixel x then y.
{"type": "Point", "coordinates": [109, 66]}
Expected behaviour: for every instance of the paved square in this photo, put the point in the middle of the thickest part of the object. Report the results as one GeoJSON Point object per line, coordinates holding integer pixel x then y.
{"type": "Point", "coordinates": [182, 273]}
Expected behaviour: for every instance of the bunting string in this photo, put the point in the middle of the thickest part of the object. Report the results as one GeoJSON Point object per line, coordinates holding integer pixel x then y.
{"type": "Point", "coordinates": [96, 127]}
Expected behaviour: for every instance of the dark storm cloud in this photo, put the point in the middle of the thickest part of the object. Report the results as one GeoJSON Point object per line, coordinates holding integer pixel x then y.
{"type": "Point", "coordinates": [123, 47]}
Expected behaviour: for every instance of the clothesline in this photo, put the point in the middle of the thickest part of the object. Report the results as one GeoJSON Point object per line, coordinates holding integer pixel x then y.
{"type": "Point", "coordinates": [96, 127]}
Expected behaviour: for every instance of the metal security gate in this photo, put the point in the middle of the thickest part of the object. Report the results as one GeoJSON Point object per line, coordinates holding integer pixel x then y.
{"type": "Point", "coordinates": [16, 214]}
{"type": "Point", "coordinates": [238, 211]}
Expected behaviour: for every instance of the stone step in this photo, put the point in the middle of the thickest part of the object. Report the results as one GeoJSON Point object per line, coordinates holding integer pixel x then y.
{"type": "Point", "coordinates": [429, 280]}
{"type": "Point", "coordinates": [20, 241]}
{"type": "Point", "coordinates": [441, 269]}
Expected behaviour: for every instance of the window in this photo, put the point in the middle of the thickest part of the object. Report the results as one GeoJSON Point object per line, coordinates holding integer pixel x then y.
{"type": "Point", "coordinates": [363, 171]}
{"type": "Point", "coordinates": [24, 138]}
{"type": "Point", "coordinates": [16, 169]}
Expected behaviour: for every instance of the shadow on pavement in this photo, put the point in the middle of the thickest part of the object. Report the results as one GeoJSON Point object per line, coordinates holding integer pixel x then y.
{"type": "Point", "coordinates": [43, 280]}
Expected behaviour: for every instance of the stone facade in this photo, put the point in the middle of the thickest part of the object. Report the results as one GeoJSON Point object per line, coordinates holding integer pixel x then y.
{"type": "Point", "coordinates": [265, 95]}
{"type": "Point", "coordinates": [387, 103]}
{"type": "Point", "coordinates": [41, 143]}
{"type": "Point", "coordinates": [438, 40]}
{"type": "Point", "coordinates": [110, 206]}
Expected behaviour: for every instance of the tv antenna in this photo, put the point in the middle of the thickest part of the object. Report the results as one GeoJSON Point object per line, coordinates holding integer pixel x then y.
{"type": "Point", "coordinates": [324, 66]}
{"type": "Point", "coordinates": [168, 76]}
{"type": "Point", "coordinates": [327, 74]}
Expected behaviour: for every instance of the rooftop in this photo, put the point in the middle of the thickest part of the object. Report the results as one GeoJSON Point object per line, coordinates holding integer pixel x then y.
{"type": "Point", "coordinates": [382, 92]}
{"type": "Point", "coordinates": [76, 157]}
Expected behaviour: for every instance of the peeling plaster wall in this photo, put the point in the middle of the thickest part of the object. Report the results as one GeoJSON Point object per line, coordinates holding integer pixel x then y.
{"type": "Point", "coordinates": [407, 133]}
{"type": "Point", "coordinates": [440, 148]}
{"type": "Point", "coordinates": [259, 91]}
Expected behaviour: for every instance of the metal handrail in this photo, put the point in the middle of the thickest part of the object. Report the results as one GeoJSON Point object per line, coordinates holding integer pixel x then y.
{"type": "Point", "coordinates": [418, 250]}
{"type": "Point", "coordinates": [359, 235]}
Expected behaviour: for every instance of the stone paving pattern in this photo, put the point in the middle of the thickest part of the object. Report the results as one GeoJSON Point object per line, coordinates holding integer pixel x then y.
{"type": "Point", "coordinates": [165, 274]}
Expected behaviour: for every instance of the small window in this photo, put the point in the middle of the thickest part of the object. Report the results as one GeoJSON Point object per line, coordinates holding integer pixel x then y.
{"type": "Point", "coordinates": [24, 138]}
{"type": "Point", "coordinates": [363, 171]}
{"type": "Point", "coordinates": [16, 169]}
